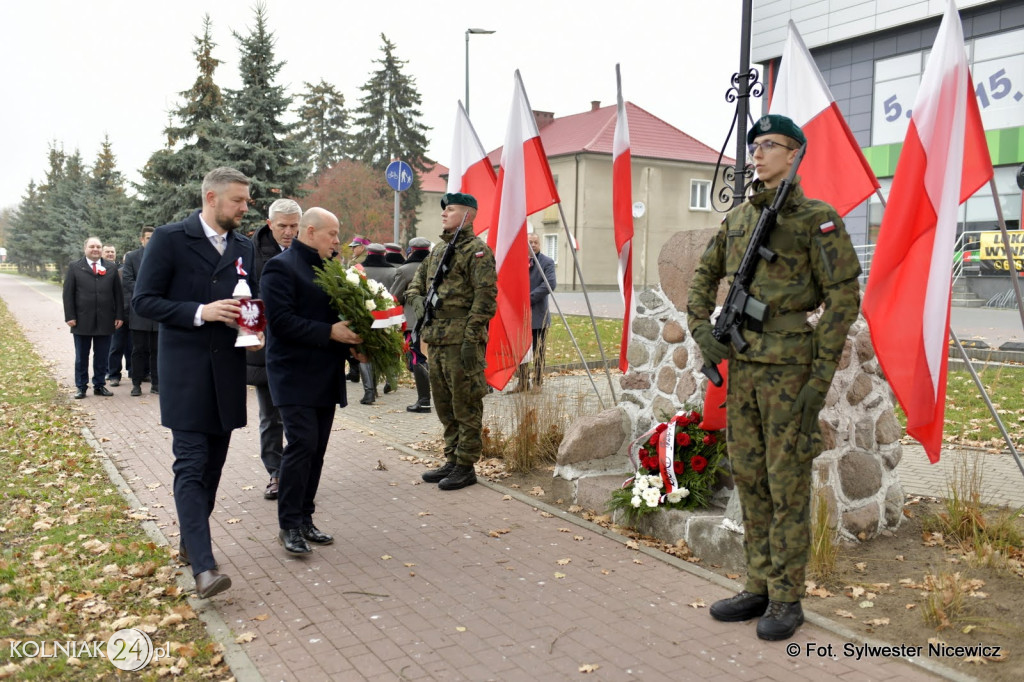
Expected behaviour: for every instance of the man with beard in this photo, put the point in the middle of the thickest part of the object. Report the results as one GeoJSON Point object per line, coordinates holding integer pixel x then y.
{"type": "Point", "coordinates": [419, 249]}
{"type": "Point", "coordinates": [188, 275]}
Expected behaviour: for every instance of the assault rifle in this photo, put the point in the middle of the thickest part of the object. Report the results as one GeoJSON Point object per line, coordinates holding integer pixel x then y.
{"type": "Point", "coordinates": [740, 308]}
{"type": "Point", "coordinates": [430, 299]}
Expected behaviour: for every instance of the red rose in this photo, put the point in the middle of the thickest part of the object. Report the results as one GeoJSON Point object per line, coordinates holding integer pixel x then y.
{"type": "Point", "coordinates": [682, 420]}
{"type": "Point", "coordinates": [653, 442]}
{"type": "Point", "coordinates": [678, 467]}
{"type": "Point", "coordinates": [660, 427]}
{"type": "Point", "coordinates": [683, 439]}
{"type": "Point", "coordinates": [698, 463]}
{"type": "Point", "coordinates": [650, 463]}
{"type": "Point", "coordinates": [695, 417]}
{"type": "Point", "coordinates": [710, 439]}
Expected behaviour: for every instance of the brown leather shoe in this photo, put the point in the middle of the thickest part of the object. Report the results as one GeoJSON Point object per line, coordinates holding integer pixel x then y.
{"type": "Point", "coordinates": [272, 489]}
{"type": "Point", "coordinates": [209, 583]}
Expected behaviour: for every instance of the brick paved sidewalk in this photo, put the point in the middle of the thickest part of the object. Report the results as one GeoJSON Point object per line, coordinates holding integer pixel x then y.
{"type": "Point", "coordinates": [416, 585]}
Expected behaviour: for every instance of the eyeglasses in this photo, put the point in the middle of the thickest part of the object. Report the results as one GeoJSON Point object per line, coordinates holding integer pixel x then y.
{"type": "Point", "coordinates": [766, 146]}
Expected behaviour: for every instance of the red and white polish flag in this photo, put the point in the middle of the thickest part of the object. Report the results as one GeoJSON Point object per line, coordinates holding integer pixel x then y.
{"type": "Point", "coordinates": [524, 186]}
{"type": "Point", "coordinates": [834, 168]}
{"type": "Point", "coordinates": [944, 161]}
{"type": "Point", "coordinates": [622, 215]}
{"type": "Point", "coordinates": [470, 171]}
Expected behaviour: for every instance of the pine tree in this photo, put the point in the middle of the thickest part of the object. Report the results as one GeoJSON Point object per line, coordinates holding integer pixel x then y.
{"type": "Point", "coordinates": [111, 211]}
{"type": "Point", "coordinates": [25, 247]}
{"type": "Point", "coordinates": [173, 176]}
{"type": "Point", "coordinates": [64, 209]}
{"type": "Point", "coordinates": [323, 125]}
{"type": "Point", "coordinates": [263, 146]}
{"type": "Point", "coordinates": [389, 124]}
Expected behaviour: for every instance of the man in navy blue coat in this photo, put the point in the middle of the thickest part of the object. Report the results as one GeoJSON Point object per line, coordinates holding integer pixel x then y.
{"type": "Point", "coordinates": [306, 351]}
{"type": "Point", "coordinates": [188, 275]}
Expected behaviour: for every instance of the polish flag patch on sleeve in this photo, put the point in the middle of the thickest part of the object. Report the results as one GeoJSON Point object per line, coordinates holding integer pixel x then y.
{"type": "Point", "coordinates": [827, 227]}
{"type": "Point", "coordinates": [478, 254]}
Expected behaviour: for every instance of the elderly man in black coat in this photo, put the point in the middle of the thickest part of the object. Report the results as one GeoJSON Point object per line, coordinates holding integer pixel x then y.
{"type": "Point", "coordinates": [186, 282]}
{"type": "Point", "coordinates": [145, 332]}
{"type": "Point", "coordinates": [93, 309]}
{"type": "Point", "coordinates": [306, 351]}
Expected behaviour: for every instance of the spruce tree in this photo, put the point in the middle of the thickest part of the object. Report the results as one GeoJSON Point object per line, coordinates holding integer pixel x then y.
{"type": "Point", "coordinates": [25, 247]}
{"type": "Point", "coordinates": [323, 125]}
{"type": "Point", "coordinates": [111, 211]}
{"type": "Point", "coordinates": [389, 124]}
{"type": "Point", "coordinates": [263, 146]}
{"type": "Point", "coordinates": [196, 140]}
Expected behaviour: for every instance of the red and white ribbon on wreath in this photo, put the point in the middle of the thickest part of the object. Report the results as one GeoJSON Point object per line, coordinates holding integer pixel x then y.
{"type": "Point", "coordinates": [387, 318]}
{"type": "Point", "coordinates": [665, 451]}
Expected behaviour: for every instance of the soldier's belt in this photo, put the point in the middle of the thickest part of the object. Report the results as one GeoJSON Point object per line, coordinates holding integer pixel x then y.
{"type": "Point", "coordinates": [790, 322]}
{"type": "Point", "coordinates": [451, 313]}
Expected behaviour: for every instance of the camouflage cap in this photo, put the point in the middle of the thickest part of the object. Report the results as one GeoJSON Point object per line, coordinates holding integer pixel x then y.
{"type": "Point", "coordinates": [775, 124]}
{"type": "Point", "coordinates": [458, 199]}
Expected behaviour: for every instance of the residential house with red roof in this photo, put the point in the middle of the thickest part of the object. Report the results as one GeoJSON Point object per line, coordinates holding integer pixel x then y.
{"type": "Point", "coordinates": [672, 174]}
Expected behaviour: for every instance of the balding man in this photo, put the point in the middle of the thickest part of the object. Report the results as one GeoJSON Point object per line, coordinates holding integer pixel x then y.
{"type": "Point", "coordinates": [306, 349]}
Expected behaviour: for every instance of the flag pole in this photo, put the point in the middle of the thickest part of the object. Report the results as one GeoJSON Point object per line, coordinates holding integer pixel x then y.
{"type": "Point", "coordinates": [579, 351]}
{"type": "Point", "coordinates": [1006, 248]}
{"type": "Point", "coordinates": [988, 401]}
{"type": "Point", "coordinates": [586, 297]}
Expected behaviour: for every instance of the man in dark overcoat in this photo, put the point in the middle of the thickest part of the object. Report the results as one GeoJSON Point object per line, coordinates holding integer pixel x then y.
{"type": "Point", "coordinates": [93, 309]}
{"type": "Point", "coordinates": [145, 332]}
{"type": "Point", "coordinates": [188, 275]}
{"type": "Point", "coordinates": [306, 351]}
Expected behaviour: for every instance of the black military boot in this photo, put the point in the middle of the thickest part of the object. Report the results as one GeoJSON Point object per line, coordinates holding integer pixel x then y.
{"type": "Point", "coordinates": [369, 385]}
{"type": "Point", "coordinates": [780, 621]}
{"type": "Point", "coordinates": [353, 372]}
{"type": "Point", "coordinates": [438, 474]}
{"type": "Point", "coordinates": [422, 376]}
{"type": "Point", "coordinates": [743, 606]}
{"type": "Point", "coordinates": [461, 476]}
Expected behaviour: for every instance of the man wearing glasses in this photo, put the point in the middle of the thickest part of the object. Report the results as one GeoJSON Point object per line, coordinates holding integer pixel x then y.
{"type": "Point", "coordinates": [777, 386]}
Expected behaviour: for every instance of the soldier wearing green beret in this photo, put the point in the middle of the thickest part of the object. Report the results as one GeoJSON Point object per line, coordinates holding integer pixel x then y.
{"type": "Point", "coordinates": [457, 338]}
{"type": "Point", "coordinates": [778, 385]}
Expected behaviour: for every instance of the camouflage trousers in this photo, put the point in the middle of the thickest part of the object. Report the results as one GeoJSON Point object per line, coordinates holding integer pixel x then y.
{"type": "Point", "coordinates": [459, 401]}
{"type": "Point", "coordinates": [771, 465]}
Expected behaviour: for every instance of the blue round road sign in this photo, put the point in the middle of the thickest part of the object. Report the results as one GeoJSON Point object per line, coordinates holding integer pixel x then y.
{"type": "Point", "coordinates": [399, 175]}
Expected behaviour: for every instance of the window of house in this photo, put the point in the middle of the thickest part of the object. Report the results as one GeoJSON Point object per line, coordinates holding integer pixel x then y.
{"type": "Point", "coordinates": [551, 246]}
{"type": "Point", "coordinates": [700, 195]}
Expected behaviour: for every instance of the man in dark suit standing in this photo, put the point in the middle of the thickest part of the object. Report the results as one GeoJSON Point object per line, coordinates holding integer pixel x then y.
{"type": "Point", "coordinates": [540, 315]}
{"type": "Point", "coordinates": [144, 331]}
{"type": "Point", "coordinates": [93, 309]}
{"type": "Point", "coordinates": [121, 341]}
{"type": "Point", "coordinates": [306, 351]}
{"type": "Point", "coordinates": [188, 275]}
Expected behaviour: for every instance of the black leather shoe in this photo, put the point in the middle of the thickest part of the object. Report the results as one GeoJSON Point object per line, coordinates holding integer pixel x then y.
{"type": "Point", "coordinates": [743, 606]}
{"type": "Point", "coordinates": [102, 390]}
{"type": "Point", "coordinates": [183, 556]}
{"type": "Point", "coordinates": [136, 391]}
{"type": "Point", "coordinates": [293, 542]}
{"type": "Point", "coordinates": [79, 394]}
{"type": "Point", "coordinates": [418, 407]}
{"type": "Point", "coordinates": [461, 476]}
{"type": "Point", "coordinates": [114, 382]}
{"type": "Point", "coordinates": [154, 389]}
{"type": "Point", "coordinates": [209, 583]}
{"type": "Point", "coordinates": [780, 621]}
{"type": "Point", "coordinates": [438, 474]}
{"type": "Point", "coordinates": [313, 534]}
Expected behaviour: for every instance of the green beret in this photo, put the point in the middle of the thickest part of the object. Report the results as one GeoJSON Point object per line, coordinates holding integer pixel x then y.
{"type": "Point", "coordinates": [458, 200]}
{"type": "Point", "coordinates": [775, 124]}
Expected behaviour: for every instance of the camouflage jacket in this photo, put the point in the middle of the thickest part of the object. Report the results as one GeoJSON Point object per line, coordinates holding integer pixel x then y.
{"type": "Point", "coordinates": [467, 298]}
{"type": "Point", "coordinates": [816, 266]}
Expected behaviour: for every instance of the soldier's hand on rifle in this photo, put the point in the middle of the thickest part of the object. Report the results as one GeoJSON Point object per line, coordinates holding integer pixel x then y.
{"type": "Point", "coordinates": [713, 350]}
{"type": "Point", "coordinates": [809, 402]}
{"type": "Point", "coordinates": [470, 361]}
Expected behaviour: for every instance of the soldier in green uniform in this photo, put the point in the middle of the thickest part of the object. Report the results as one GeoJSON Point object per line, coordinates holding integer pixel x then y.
{"type": "Point", "coordinates": [457, 338]}
{"type": "Point", "coordinates": [778, 386]}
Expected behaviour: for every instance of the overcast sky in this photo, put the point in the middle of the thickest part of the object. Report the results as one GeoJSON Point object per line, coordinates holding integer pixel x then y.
{"type": "Point", "coordinates": [75, 71]}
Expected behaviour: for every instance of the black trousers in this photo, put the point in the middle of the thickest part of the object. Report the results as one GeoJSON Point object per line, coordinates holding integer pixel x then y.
{"type": "Point", "coordinates": [307, 430]}
{"type": "Point", "coordinates": [100, 346]}
{"type": "Point", "coordinates": [144, 357]}
{"type": "Point", "coordinates": [198, 462]}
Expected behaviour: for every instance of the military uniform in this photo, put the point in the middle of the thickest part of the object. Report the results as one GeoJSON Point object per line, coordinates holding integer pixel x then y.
{"type": "Point", "coordinates": [770, 456]}
{"type": "Point", "coordinates": [457, 339]}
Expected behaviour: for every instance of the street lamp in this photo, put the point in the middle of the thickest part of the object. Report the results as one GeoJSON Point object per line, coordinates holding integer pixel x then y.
{"type": "Point", "coordinates": [476, 31]}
